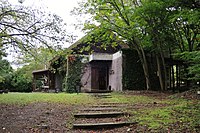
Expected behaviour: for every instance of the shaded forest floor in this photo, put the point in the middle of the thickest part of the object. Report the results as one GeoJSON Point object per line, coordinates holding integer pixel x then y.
{"type": "Point", "coordinates": [153, 112]}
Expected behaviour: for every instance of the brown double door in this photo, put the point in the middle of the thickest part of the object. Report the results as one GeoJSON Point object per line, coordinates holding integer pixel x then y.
{"type": "Point", "coordinates": [99, 78]}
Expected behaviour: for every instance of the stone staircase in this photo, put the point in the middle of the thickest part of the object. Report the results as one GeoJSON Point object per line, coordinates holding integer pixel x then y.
{"type": "Point", "coordinates": [102, 116]}
{"type": "Point", "coordinates": [101, 95]}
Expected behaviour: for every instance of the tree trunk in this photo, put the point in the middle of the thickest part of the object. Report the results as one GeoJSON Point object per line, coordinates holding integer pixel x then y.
{"type": "Point", "coordinates": [144, 63]}
{"type": "Point", "coordinates": [173, 79]}
{"type": "Point", "coordinates": [165, 71]}
{"type": "Point", "coordinates": [146, 71]}
{"type": "Point", "coordinates": [162, 73]}
{"type": "Point", "coordinates": [136, 44]}
{"type": "Point", "coordinates": [159, 73]}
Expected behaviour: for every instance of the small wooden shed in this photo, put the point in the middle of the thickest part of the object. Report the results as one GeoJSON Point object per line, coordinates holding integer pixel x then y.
{"type": "Point", "coordinates": [43, 80]}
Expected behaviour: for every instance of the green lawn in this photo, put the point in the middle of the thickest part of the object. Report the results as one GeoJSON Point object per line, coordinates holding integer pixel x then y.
{"type": "Point", "coordinates": [66, 98]}
{"type": "Point", "coordinates": [26, 98]}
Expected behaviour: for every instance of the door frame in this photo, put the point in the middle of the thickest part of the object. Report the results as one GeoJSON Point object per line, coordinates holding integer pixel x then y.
{"type": "Point", "coordinates": [96, 68]}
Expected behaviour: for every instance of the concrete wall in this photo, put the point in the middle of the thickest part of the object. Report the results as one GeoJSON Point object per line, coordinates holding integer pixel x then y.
{"type": "Point", "coordinates": [101, 57]}
{"type": "Point", "coordinates": [115, 72]}
{"type": "Point", "coordinates": [86, 79]}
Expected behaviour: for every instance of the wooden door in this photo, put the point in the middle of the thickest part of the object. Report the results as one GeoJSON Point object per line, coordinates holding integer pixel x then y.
{"type": "Point", "coordinates": [95, 78]}
{"type": "Point", "coordinates": [102, 79]}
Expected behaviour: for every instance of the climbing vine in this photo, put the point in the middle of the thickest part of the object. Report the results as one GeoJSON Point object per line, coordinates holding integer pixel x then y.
{"type": "Point", "coordinates": [71, 69]}
{"type": "Point", "coordinates": [72, 80]}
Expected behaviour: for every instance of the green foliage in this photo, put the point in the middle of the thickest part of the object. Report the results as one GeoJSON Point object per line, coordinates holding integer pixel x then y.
{"type": "Point", "coordinates": [111, 17]}
{"type": "Point", "coordinates": [22, 77]}
{"type": "Point", "coordinates": [5, 74]}
{"type": "Point", "coordinates": [39, 57]}
{"type": "Point", "coordinates": [22, 80]}
{"type": "Point", "coordinates": [185, 21]}
{"type": "Point", "coordinates": [193, 59]}
{"type": "Point", "coordinates": [72, 81]}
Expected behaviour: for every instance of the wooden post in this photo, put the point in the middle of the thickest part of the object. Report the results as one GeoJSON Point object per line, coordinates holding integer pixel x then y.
{"type": "Point", "coordinates": [177, 77]}
{"type": "Point", "coordinates": [34, 84]}
{"type": "Point", "coordinates": [67, 66]}
{"type": "Point", "coordinates": [170, 76]}
{"type": "Point", "coordinates": [48, 79]}
{"type": "Point", "coordinates": [173, 86]}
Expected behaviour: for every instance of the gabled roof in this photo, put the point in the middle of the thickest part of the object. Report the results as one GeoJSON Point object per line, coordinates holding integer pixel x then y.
{"type": "Point", "coordinates": [87, 46]}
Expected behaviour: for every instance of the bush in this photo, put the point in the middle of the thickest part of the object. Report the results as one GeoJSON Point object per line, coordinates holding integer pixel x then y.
{"type": "Point", "coordinates": [21, 82]}
{"type": "Point", "coordinates": [6, 74]}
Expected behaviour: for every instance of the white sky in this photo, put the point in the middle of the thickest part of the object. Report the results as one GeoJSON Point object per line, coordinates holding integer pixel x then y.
{"type": "Point", "coordinates": [59, 7]}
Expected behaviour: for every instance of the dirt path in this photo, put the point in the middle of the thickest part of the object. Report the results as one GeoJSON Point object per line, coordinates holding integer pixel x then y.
{"type": "Point", "coordinates": [37, 117]}
{"type": "Point", "coordinates": [42, 118]}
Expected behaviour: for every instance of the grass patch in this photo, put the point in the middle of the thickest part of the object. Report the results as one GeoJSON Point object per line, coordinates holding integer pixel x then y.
{"type": "Point", "coordinates": [183, 114]}
{"type": "Point", "coordinates": [122, 98]}
{"type": "Point", "coordinates": [155, 118]}
{"type": "Point", "coordinates": [26, 98]}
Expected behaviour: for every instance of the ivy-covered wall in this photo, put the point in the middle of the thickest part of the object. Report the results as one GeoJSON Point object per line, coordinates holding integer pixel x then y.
{"type": "Point", "coordinates": [133, 75]}
{"type": "Point", "coordinates": [72, 81]}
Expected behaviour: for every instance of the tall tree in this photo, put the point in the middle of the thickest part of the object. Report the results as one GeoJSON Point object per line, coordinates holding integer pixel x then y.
{"type": "Point", "coordinates": [24, 28]}
{"type": "Point", "coordinates": [153, 18]}
{"type": "Point", "coordinates": [40, 58]}
{"type": "Point", "coordinates": [185, 24]}
{"type": "Point", "coordinates": [172, 24]}
{"type": "Point", "coordinates": [185, 33]}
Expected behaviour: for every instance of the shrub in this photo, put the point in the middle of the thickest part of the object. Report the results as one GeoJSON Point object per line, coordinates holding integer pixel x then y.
{"type": "Point", "coordinates": [22, 81]}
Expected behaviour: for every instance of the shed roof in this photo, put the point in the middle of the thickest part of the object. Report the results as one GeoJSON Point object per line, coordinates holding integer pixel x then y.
{"type": "Point", "coordinates": [40, 71]}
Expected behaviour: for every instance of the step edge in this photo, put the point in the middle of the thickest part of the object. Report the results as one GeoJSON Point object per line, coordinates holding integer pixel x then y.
{"type": "Point", "coordinates": [98, 125]}
{"type": "Point", "coordinates": [100, 113]}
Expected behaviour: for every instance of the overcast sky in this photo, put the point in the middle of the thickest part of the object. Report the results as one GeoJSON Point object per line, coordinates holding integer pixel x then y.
{"type": "Point", "coordinates": [60, 7]}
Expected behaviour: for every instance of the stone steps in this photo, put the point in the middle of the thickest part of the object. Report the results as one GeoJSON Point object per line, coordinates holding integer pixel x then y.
{"type": "Point", "coordinates": [101, 116]}
{"type": "Point", "coordinates": [100, 109]}
{"type": "Point", "coordinates": [100, 91]}
{"type": "Point", "coordinates": [108, 106]}
{"type": "Point", "coordinates": [101, 95]}
{"type": "Point", "coordinates": [98, 114]}
{"type": "Point", "coordinates": [101, 125]}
